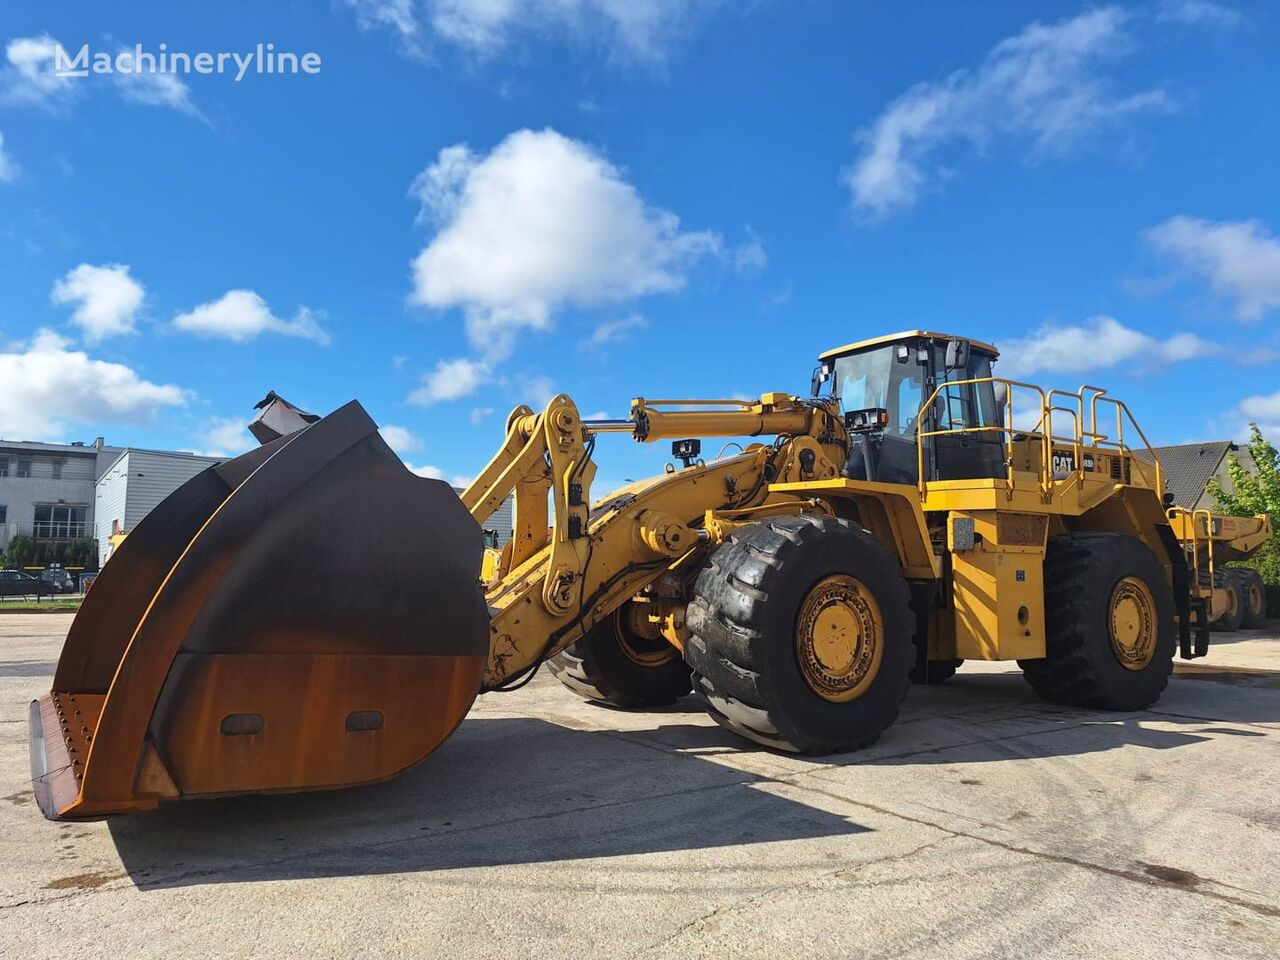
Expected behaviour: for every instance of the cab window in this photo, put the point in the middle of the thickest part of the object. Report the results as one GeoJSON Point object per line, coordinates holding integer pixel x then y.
{"type": "Point", "coordinates": [877, 379]}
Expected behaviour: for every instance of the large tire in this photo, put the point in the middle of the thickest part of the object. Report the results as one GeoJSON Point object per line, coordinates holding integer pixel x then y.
{"type": "Point", "coordinates": [1253, 598]}
{"type": "Point", "coordinates": [1097, 587]}
{"type": "Point", "coordinates": [1233, 616]}
{"type": "Point", "coordinates": [763, 603]}
{"type": "Point", "coordinates": [935, 671]}
{"type": "Point", "coordinates": [613, 664]}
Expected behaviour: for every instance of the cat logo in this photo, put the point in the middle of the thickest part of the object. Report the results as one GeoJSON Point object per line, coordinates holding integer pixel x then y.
{"type": "Point", "coordinates": [1064, 463]}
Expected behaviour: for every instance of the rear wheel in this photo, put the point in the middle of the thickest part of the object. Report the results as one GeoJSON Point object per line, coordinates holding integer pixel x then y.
{"type": "Point", "coordinates": [623, 662]}
{"type": "Point", "coordinates": [801, 635]}
{"type": "Point", "coordinates": [1109, 616]}
{"type": "Point", "coordinates": [1232, 615]}
{"type": "Point", "coordinates": [935, 671]}
{"type": "Point", "coordinates": [1253, 598]}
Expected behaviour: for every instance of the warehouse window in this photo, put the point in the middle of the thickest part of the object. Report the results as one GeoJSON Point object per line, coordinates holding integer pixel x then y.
{"type": "Point", "coordinates": [4, 513]}
{"type": "Point", "coordinates": [4, 466]}
{"type": "Point", "coordinates": [56, 522]}
{"type": "Point", "coordinates": [57, 469]}
{"type": "Point", "coordinates": [24, 468]}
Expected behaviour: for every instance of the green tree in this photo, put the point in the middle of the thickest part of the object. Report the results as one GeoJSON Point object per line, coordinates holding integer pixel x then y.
{"type": "Point", "coordinates": [1257, 492]}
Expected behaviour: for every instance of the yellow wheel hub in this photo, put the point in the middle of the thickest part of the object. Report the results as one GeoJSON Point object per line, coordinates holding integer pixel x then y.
{"type": "Point", "coordinates": [1133, 623]}
{"type": "Point", "coordinates": [839, 638]}
{"type": "Point", "coordinates": [1255, 599]}
{"type": "Point", "coordinates": [639, 641]}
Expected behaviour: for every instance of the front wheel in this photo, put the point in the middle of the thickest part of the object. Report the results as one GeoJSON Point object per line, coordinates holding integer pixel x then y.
{"type": "Point", "coordinates": [623, 662]}
{"type": "Point", "coordinates": [801, 635]}
{"type": "Point", "coordinates": [1109, 617]}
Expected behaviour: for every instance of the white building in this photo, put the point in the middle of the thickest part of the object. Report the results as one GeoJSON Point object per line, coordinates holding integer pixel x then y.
{"type": "Point", "coordinates": [47, 489]}
{"type": "Point", "coordinates": [133, 484]}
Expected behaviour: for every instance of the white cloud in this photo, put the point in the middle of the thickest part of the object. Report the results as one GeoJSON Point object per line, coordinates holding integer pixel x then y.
{"type": "Point", "coordinates": [44, 386]}
{"type": "Point", "coordinates": [1047, 83]}
{"type": "Point", "coordinates": [450, 380]}
{"type": "Point", "coordinates": [1263, 410]}
{"type": "Point", "coordinates": [242, 315]}
{"type": "Point", "coordinates": [1097, 344]}
{"type": "Point", "coordinates": [433, 472]}
{"type": "Point", "coordinates": [8, 169]}
{"type": "Point", "coordinates": [643, 31]}
{"type": "Point", "coordinates": [1240, 259]}
{"type": "Point", "coordinates": [610, 331]}
{"type": "Point", "coordinates": [28, 78]}
{"type": "Point", "coordinates": [536, 390]}
{"type": "Point", "coordinates": [398, 16]}
{"type": "Point", "coordinates": [478, 414]}
{"type": "Point", "coordinates": [749, 256]}
{"type": "Point", "coordinates": [225, 437]}
{"type": "Point", "coordinates": [400, 439]}
{"type": "Point", "coordinates": [1199, 12]}
{"type": "Point", "coordinates": [156, 90]}
{"type": "Point", "coordinates": [540, 223]}
{"type": "Point", "coordinates": [107, 299]}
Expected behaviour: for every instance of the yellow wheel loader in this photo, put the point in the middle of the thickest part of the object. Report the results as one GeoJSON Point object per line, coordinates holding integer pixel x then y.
{"type": "Point", "coordinates": [312, 615]}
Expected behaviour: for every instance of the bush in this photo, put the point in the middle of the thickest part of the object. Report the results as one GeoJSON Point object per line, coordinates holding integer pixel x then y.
{"type": "Point", "coordinates": [21, 551]}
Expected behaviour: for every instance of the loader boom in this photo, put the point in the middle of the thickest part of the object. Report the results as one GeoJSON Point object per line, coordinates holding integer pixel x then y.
{"type": "Point", "coordinates": [562, 579]}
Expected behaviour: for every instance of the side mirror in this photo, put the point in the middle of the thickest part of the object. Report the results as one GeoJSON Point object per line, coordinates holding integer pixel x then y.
{"type": "Point", "coordinates": [821, 374]}
{"type": "Point", "coordinates": [957, 354]}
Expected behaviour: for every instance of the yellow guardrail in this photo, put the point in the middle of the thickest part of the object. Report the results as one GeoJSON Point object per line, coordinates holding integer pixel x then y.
{"type": "Point", "coordinates": [1079, 439]}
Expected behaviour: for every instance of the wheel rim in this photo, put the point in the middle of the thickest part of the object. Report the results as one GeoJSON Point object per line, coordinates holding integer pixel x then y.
{"type": "Point", "coordinates": [632, 630]}
{"type": "Point", "coordinates": [1255, 599]}
{"type": "Point", "coordinates": [839, 638]}
{"type": "Point", "coordinates": [1133, 623]}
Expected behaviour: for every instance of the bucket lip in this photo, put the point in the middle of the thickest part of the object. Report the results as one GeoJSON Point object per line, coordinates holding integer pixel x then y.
{"type": "Point", "coordinates": [39, 762]}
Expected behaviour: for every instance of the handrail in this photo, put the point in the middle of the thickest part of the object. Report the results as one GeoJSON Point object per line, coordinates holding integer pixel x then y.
{"type": "Point", "coordinates": [1192, 547]}
{"type": "Point", "coordinates": [1045, 417]}
{"type": "Point", "coordinates": [1079, 439]}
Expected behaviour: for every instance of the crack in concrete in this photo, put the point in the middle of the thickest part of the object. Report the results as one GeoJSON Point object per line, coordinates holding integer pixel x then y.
{"type": "Point", "coordinates": [744, 902]}
{"type": "Point", "coordinates": [1143, 878]}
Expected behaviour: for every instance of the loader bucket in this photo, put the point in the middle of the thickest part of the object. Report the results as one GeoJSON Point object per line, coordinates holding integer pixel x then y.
{"type": "Point", "coordinates": [306, 616]}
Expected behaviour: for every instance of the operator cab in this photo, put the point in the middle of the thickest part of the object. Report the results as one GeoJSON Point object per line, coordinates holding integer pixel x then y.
{"type": "Point", "coordinates": [882, 384]}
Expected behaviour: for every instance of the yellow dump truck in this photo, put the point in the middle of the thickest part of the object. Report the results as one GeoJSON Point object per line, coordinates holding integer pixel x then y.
{"type": "Point", "coordinates": [1232, 597]}
{"type": "Point", "coordinates": [254, 633]}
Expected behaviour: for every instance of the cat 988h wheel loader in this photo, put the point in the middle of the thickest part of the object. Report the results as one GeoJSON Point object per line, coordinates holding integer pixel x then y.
{"type": "Point", "coordinates": [311, 615]}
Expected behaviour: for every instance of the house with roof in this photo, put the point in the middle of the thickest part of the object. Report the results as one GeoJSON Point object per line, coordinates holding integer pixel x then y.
{"type": "Point", "coordinates": [1188, 468]}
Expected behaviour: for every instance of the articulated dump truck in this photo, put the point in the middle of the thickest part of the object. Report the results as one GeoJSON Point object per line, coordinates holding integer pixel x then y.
{"type": "Point", "coordinates": [311, 615]}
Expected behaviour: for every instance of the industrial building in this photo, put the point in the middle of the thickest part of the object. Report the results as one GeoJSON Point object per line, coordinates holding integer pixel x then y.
{"type": "Point", "coordinates": [47, 489]}
{"type": "Point", "coordinates": [133, 484]}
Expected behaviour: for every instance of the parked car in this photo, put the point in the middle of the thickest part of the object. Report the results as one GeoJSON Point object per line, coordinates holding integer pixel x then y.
{"type": "Point", "coordinates": [60, 580]}
{"type": "Point", "coordinates": [15, 583]}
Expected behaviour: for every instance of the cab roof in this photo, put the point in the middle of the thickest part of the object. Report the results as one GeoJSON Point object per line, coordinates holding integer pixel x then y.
{"type": "Point", "coordinates": [905, 335]}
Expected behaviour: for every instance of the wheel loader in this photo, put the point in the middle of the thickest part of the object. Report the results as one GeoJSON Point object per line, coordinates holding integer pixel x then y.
{"type": "Point", "coordinates": [312, 615]}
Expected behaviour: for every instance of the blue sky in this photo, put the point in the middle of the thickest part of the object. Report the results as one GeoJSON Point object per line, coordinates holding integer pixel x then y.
{"type": "Point", "coordinates": [474, 204]}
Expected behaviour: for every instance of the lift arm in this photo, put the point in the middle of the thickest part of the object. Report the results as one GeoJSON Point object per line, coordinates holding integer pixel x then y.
{"type": "Point", "coordinates": [564, 576]}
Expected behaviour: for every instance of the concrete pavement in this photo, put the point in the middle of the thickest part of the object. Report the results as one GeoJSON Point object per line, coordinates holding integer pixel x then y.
{"type": "Point", "coordinates": [984, 824]}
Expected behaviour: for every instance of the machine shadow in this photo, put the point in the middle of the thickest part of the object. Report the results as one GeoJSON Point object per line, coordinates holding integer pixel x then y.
{"type": "Point", "coordinates": [507, 791]}
{"type": "Point", "coordinates": [499, 792]}
{"type": "Point", "coordinates": [985, 717]}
